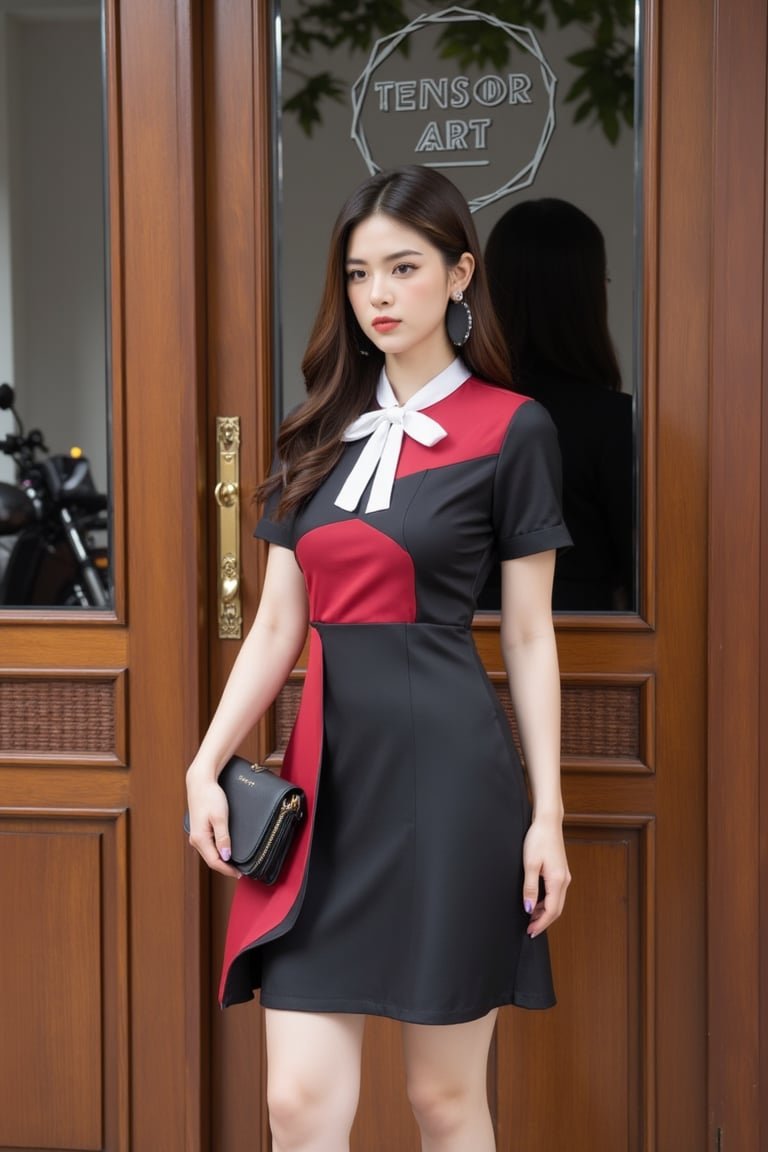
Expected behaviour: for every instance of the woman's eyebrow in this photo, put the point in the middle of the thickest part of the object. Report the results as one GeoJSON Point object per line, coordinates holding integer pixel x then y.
{"type": "Point", "coordinates": [392, 256]}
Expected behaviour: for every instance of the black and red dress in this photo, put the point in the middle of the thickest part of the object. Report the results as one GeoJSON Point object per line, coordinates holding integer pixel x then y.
{"type": "Point", "coordinates": [403, 897]}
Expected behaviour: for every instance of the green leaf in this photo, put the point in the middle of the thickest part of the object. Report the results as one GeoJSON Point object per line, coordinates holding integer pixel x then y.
{"type": "Point", "coordinates": [610, 123]}
{"type": "Point", "coordinates": [306, 102]}
{"type": "Point", "coordinates": [584, 109]}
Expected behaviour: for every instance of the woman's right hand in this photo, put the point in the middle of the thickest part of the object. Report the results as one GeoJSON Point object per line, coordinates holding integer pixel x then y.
{"type": "Point", "coordinates": [209, 823]}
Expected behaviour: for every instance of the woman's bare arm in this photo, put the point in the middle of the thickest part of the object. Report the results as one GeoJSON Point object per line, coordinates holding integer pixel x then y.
{"type": "Point", "coordinates": [266, 658]}
{"type": "Point", "coordinates": [530, 657]}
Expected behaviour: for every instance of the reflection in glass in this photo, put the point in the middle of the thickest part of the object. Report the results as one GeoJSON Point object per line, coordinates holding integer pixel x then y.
{"type": "Point", "coordinates": [54, 463]}
{"type": "Point", "coordinates": [517, 103]}
{"type": "Point", "coordinates": [547, 271]}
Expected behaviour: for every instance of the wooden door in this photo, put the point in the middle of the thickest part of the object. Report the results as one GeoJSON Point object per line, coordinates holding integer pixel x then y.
{"type": "Point", "coordinates": [608, 1068]}
{"type": "Point", "coordinates": [99, 709]}
{"type": "Point", "coordinates": [112, 933]}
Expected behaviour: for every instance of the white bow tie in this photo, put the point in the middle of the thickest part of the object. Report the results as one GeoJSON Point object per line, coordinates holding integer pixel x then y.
{"type": "Point", "coordinates": [386, 427]}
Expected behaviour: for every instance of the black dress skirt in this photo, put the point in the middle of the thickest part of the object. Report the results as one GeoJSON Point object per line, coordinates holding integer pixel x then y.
{"type": "Point", "coordinates": [404, 895]}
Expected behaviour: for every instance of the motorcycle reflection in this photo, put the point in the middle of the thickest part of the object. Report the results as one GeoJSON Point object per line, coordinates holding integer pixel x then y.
{"type": "Point", "coordinates": [53, 525]}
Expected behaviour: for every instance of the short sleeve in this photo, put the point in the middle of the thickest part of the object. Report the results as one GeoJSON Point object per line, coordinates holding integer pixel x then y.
{"type": "Point", "coordinates": [269, 527]}
{"type": "Point", "coordinates": [527, 494]}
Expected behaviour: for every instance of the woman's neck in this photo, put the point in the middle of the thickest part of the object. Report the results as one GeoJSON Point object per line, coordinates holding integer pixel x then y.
{"type": "Point", "coordinates": [408, 374]}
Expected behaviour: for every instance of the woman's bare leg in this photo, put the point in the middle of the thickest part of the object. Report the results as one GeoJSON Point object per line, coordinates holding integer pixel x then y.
{"type": "Point", "coordinates": [446, 1068]}
{"type": "Point", "coordinates": [313, 1079]}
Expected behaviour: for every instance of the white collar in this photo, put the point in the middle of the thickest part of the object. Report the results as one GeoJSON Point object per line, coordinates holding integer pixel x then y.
{"type": "Point", "coordinates": [386, 427]}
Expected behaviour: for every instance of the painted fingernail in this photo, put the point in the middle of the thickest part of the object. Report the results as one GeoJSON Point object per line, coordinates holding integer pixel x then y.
{"type": "Point", "coordinates": [225, 854]}
{"type": "Point", "coordinates": [528, 907]}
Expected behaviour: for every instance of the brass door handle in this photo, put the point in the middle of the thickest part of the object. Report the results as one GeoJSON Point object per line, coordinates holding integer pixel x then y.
{"type": "Point", "coordinates": [225, 493]}
{"type": "Point", "coordinates": [227, 497]}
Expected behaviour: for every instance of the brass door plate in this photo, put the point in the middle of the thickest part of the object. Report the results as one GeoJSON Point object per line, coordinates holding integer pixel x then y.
{"type": "Point", "coordinates": [227, 496]}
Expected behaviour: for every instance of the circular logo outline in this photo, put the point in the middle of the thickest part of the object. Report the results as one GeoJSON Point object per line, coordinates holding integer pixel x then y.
{"type": "Point", "coordinates": [525, 39]}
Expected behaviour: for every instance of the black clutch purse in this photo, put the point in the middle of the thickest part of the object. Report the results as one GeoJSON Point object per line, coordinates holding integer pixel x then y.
{"type": "Point", "coordinates": [264, 813]}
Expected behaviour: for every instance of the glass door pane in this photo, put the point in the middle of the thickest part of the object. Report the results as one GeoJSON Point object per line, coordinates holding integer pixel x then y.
{"type": "Point", "coordinates": [534, 111]}
{"type": "Point", "coordinates": [54, 446]}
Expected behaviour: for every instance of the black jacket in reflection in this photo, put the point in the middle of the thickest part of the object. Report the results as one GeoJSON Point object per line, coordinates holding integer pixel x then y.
{"type": "Point", "coordinates": [595, 429]}
{"type": "Point", "coordinates": [546, 265]}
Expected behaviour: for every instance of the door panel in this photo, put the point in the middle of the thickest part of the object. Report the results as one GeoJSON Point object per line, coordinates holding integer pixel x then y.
{"type": "Point", "coordinates": [598, 1061]}
{"type": "Point", "coordinates": [68, 968]}
{"type": "Point", "coordinates": [627, 1040]}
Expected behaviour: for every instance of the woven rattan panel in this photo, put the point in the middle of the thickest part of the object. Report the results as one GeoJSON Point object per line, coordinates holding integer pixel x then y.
{"type": "Point", "coordinates": [59, 715]}
{"type": "Point", "coordinates": [599, 720]}
{"type": "Point", "coordinates": [287, 705]}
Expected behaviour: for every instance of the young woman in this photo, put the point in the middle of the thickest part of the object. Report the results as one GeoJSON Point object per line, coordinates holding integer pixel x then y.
{"type": "Point", "coordinates": [423, 883]}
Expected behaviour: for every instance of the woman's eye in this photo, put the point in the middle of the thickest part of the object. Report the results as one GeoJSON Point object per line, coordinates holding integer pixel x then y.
{"type": "Point", "coordinates": [355, 274]}
{"type": "Point", "coordinates": [403, 269]}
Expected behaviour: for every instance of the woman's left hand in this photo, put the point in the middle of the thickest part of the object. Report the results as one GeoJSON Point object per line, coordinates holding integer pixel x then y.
{"type": "Point", "coordinates": [544, 858]}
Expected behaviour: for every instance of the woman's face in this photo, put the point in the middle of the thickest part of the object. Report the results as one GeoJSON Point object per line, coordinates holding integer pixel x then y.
{"type": "Point", "coordinates": [399, 287]}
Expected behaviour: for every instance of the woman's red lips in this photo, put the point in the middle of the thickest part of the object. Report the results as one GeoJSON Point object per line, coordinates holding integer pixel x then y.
{"type": "Point", "coordinates": [385, 323]}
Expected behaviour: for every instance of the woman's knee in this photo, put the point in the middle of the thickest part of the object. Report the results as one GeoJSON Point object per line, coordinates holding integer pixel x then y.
{"type": "Point", "coordinates": [303, 1111]}
{"type": "Point", "coordinates": [290, 1106]}
{"type": "Point", "coordinates": [313, 1078]}
{"type": "Point", "coordinates": [443, 1106]}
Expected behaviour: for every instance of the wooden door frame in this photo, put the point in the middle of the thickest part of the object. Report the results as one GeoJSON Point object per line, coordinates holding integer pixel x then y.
{"type": "Point", "coordinates": [157, 191]}
{"type": "Point", "coordinates": [240, 382]}
{"type": "Point", "coordinates": [738, 588]}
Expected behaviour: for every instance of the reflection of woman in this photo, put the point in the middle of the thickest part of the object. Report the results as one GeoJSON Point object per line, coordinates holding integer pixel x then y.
{"type": "Point", "coordinates": [547, 271]}
{"type": "Point", "coordinates": [414, 891]}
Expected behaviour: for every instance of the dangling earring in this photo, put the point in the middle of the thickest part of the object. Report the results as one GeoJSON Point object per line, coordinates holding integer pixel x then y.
{"type": "Point", "coordinates": [458, 320]}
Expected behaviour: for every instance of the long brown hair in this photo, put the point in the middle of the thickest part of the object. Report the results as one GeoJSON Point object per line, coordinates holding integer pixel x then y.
{"type": "Point", "coordinates": [341, 366]}
{"type": "Point", "coordinates": [547, 273]}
